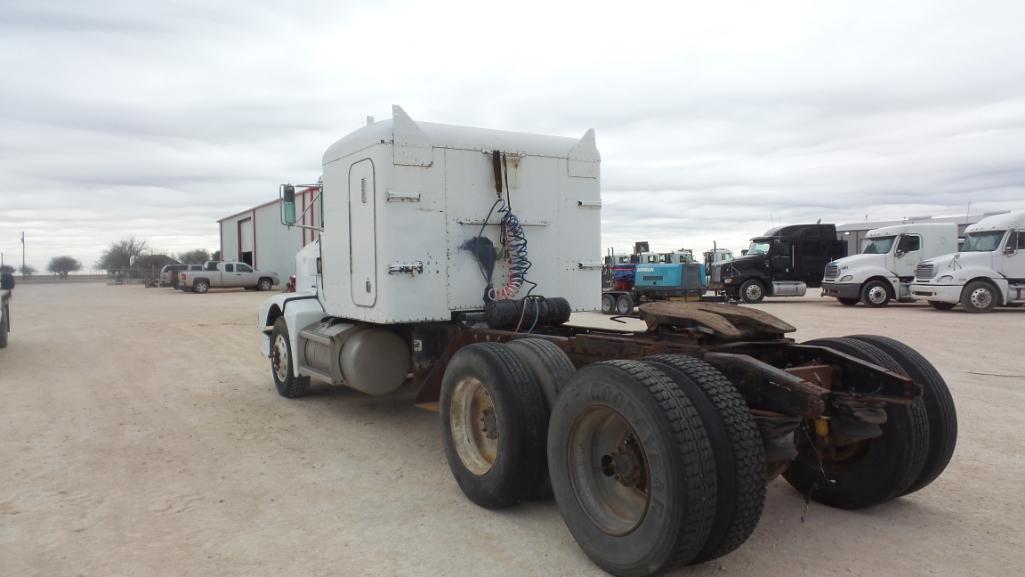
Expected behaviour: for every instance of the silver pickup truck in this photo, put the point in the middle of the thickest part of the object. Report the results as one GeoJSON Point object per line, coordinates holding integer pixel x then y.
{"type": "Point", "coordinates": [225, 275]}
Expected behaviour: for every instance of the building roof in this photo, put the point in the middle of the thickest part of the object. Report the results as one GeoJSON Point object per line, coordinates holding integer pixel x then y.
{"type": "Point", "coordinates": [259, 206]}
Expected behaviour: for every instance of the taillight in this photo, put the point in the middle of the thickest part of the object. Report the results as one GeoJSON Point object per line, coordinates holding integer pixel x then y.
{"type": "Point", "coordinates": [182, 277]}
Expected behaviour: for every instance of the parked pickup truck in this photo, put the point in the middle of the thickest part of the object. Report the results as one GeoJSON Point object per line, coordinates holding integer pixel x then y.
{"type": "Point", "coordinates": [169, 274]}
{"type": "Point", "coordinates": [226, 275]}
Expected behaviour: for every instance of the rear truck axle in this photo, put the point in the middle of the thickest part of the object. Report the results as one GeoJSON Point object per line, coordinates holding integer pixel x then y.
{"type": "Point", "coordinates": [657, 445]}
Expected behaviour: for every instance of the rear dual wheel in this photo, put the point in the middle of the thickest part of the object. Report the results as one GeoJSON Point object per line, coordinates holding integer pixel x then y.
{"type": "Point", "coordinates": [655, 463]}
{"type": "Point", "coordinates": [608, 304]}
{"type": "Point", "coordinates": [495, 402]}
{"type": "Point", "coordinates": [632, 468]}
{"type": "Point", "coordinates": [916, 444]}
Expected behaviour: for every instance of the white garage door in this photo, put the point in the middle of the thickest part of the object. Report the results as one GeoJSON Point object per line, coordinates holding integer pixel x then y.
{"type": "Point", "coordinates": [245, 233]}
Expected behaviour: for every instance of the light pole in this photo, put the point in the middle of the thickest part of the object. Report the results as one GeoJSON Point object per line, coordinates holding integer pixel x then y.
{"type": "Point", "coordinates": [23, 253]}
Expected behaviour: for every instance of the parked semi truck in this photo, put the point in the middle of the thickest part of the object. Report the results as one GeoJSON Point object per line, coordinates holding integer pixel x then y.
{"type": "Point", "coordinates": [988, 270]}
{"type": "Point", "coordinates": [226, 275]}
{"type": "Point", "coordinates": [656, 444]}
{"type": "Point", "coordinates": [886, 266]}
{"type": "Point", "coordinates": [783, 262]}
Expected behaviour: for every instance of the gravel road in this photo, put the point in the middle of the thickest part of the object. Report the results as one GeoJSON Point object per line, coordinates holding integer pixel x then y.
{"type": "Point", "coordinates": [140, 435]}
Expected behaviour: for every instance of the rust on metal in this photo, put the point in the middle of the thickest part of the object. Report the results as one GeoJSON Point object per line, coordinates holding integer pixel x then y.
{"type": "Point", "coordinates": [819, 374]}
{"type": "Point", "coordinates": [769, 388]}
{"type": "Point", "coordinates": [728, 322]}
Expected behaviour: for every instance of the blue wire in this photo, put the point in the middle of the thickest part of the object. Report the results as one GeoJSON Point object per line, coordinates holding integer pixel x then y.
{"type": "Point", "coordinates": [537, 314]}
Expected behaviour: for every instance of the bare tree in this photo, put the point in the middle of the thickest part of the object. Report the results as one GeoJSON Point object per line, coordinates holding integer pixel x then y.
{"type": "Point", "coordinates": [27, 270]}
{"type": "Point", "coordinates": [197, 256]}
{"type": "Point", "coordinates": [62, 265]}
{"type": "Point", "coordinates": [7, 269]}
{"type": "Point", "coordinates": [119, 254]}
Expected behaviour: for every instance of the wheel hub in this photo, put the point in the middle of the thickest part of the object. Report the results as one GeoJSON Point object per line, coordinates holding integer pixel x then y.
{"type": "Point", "coordinates": [981, 298]}
{"type": "Point", "coordinates": [877, 295]}
{"type": "Point", "coordinates": [624, 464]}
{"type": "Point", "coordinates": [279, 358]}
{"type": "Point", "coordinates": [474, 425]}
{"type": "Point", "coordinates": [609, 471]}
{"type": "Point", "coordinates": [489, 423]}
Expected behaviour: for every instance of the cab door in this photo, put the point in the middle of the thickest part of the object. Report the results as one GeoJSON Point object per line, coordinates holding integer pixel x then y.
{"type": "Point", "coordinates": [907, 254]}
{"type": "Point", "coordinates": [363, 234]}
{"type": "Point", "coordinates": [226, 277]}
{"type": "Point", "coordinates": [1014, 257]}
{"type": "Point", "coordinates": [246, 275]}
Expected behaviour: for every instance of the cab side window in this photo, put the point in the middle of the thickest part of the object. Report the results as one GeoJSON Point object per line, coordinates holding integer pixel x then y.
{"type": "Point", "coordinates": [910, 243]}
{"type": "Point", "coordinates": [1021, 240]}
{"type": "Point", "coordinates": [244, 268]}
{"type": "Point", "coordinates": [229, 268]}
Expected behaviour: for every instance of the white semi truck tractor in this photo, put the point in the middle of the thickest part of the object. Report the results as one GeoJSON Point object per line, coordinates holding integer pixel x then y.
{"type": "Point", "coordinates": [986, 272]}
{"type": "Point", "coordinates": [886, 266]}
{"type": "Point", "coordinates": [449, 261]}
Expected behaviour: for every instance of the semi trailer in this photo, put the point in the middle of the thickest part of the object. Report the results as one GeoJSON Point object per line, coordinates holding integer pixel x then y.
{"type": "Point", "coordinates": [783, 262]}
{"type": "Point", "coordinates": [886, 266]}
{"type": "Point", "coordinates": [450, 260]}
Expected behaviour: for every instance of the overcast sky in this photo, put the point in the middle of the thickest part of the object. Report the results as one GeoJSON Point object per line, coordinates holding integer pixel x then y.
{"type": "Point", "coordinates": [715, 120]}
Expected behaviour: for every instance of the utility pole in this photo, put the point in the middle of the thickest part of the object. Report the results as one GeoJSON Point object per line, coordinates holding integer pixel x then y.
{"type": "Point", "coordinates": [22, 253]}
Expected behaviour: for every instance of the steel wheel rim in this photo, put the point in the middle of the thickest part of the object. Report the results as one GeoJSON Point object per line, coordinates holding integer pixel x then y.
{"type": "Point", "coordinates": [279, 358]}
{"type": "Point", "coordinates": [877, 295]}
{"type": "Point", "coordinates": [264, 285]}
{"type": "Point", "coordinates": [753, 291]}
{"type": "Point", "coordinates": [981, 298]}
{"type": "Point", "coordinates": [607, 304]}
{"type": "Point", "coordinates": [608, 470]}
{"type": "Point", "coordinates": [474, 425]}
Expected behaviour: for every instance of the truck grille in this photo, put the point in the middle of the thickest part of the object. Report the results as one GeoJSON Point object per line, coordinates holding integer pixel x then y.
{"type": "Point", "coordinates": [832, 271]}
{"type": "Point", "coordinates": [925, 271]}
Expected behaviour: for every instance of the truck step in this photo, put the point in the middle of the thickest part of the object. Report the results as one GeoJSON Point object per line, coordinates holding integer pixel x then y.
{"type": "Point", "coordinates": [315, 337]}
{"type": "Point", "coordinates": [311, 372]}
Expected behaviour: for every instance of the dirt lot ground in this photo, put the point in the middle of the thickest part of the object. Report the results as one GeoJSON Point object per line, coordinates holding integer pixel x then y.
{"type": "Point", "coordinates": [140, 435]}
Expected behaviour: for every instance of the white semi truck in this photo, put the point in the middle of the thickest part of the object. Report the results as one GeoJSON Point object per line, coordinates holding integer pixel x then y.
{"type": "Point", "coordinates": [886, 266]}
{"type": "Point", "coordinates": [449, 260]}
{"type": "Point", "coordinates": [986, 272]}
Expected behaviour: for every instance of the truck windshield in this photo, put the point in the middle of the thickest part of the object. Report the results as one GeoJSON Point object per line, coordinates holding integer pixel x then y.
{"type": "Point", "coordinates": [879, 245]}
{"type": "Point", "coordinates": [982, 241]}
{"type": "Point", "coordinates": [758, 247]}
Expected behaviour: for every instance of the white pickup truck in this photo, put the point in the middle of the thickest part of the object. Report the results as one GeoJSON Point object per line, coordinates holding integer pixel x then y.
{"type": "Point", "coordinates": [226, 275]}
{"type": "Point", "coordinates": [886, 266]}
{"type": "Point", "coordinates": [988, 271]}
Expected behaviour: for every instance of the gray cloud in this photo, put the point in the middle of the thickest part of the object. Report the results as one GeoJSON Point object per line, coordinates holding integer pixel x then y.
{"type": "Point", "coordinates": [715, 121]}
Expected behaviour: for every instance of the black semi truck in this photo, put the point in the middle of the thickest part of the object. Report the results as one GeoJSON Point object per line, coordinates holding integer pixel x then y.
{"type": "Point", "coordinates": [783, 262]}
